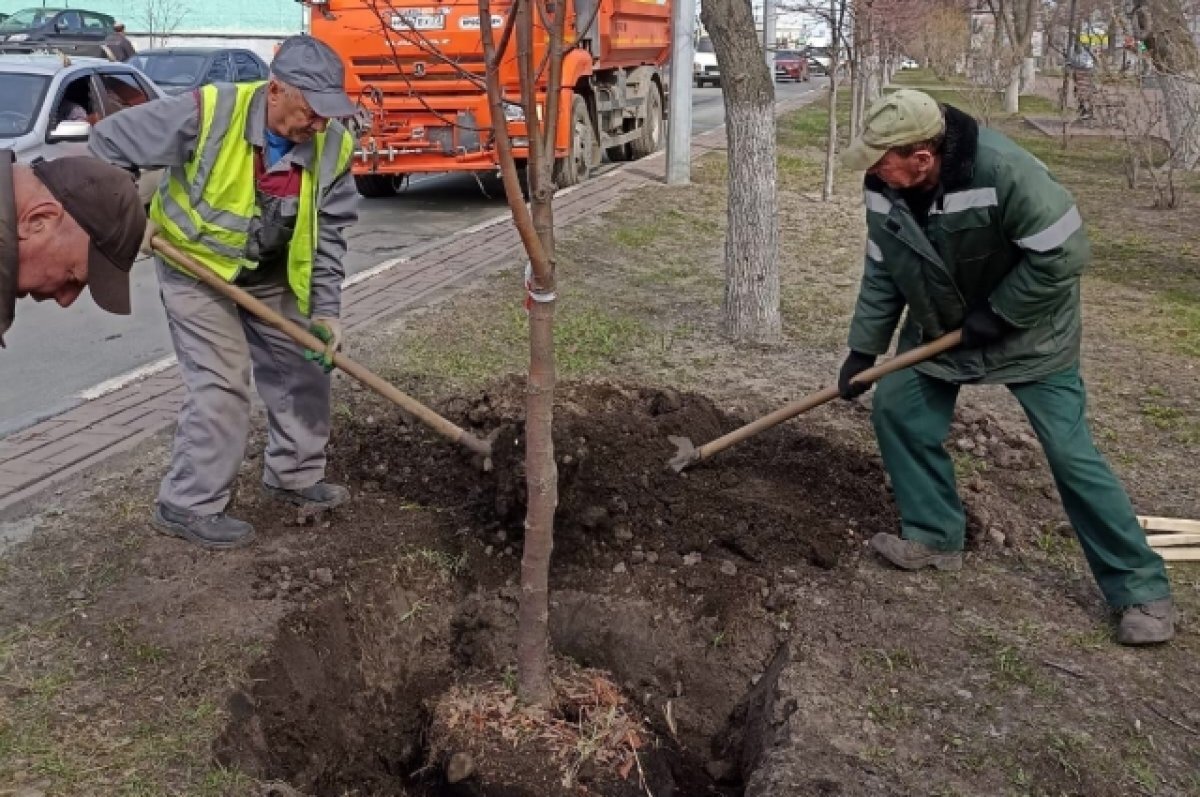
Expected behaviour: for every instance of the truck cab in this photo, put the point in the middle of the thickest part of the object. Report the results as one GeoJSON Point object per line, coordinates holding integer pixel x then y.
{"type": "Point", "coordinates": [705, 70]}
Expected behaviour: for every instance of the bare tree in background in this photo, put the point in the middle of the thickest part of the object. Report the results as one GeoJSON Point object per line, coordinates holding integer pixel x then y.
{"type": "Point", "coordinates": [161, 18]}
{"type": "Point", "coordinates": [1015, 23]}
{"type": "Point", "coordinates": [1163, 25]}
{"type": "Point", "coordinates": [751, 306]}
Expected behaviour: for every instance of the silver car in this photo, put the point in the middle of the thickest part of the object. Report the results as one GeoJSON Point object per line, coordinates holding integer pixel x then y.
{"type": "Point", "coordinates": [48, 104]}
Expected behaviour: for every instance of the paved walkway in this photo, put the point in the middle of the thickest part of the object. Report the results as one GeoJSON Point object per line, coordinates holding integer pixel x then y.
{"type": "Point", "coordinates": [54, 450]}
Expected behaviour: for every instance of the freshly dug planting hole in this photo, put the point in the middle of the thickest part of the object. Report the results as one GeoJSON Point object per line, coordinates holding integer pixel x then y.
{"type": "Point", "coordinates": [675, 585]}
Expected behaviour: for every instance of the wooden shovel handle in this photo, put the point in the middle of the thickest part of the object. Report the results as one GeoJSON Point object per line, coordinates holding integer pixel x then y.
{"type": "Point", "coordinates": [303, 337]}
{"type": "Point", "coordinates": [799, 406]}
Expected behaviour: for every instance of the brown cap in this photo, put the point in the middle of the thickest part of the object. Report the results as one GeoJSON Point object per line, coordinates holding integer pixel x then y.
{"type": "Point", "coordinates": [103, 200]}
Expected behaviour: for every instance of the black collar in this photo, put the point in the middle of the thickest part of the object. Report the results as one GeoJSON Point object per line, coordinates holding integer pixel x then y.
{"type": "Point", "coordinates": [9, 256]}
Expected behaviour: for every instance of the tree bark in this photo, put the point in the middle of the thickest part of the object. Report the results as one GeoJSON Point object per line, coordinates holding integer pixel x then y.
{"type": "Point", "coordinates": [1163, 26]}
{"type": "Point", "coordinates": [536, 229]}
{"type": "Point", "coordinates": [751, 305]}
{"type": "Point", "coordinates": [837, 15]}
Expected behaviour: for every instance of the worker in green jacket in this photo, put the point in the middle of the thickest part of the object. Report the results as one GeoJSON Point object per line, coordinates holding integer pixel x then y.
{"type": "Point", "coordinates": [967, 230]}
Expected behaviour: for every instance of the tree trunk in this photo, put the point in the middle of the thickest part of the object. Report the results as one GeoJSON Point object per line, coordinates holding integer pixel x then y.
{"type": "Point", "coordinates": [832, 132]}
{"type": "Point", "coordinates": [751, 306]}
{"type": "Point", "coordinates": [856, 93]}
{"type": "Point", "coordinates": [1012, 93]}
{"type": "Point", "coordinates": [536, 229]}
{"type": "Point", "coordinates": [1181, 107]}
{"type": "Point", "coordinates": [1163, 26]}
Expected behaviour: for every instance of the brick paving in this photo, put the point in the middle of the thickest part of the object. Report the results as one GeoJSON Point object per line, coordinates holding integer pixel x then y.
{"type": "Point", "coordinates": [59, 448]}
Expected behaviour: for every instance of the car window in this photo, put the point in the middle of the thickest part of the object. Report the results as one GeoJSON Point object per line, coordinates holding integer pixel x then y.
{"type": "Point", "coordinates": [171, 69]}
{"type": "Point", "coordinates": [20, 98]}
{"type": "Point", "coordinates": [69, 22]}
{"type": "Point", "coordinates": [93, 23]}
{"type": "Point", "coordinates": [75, 102]}
{"type": "Point", "coordinates": [246, 67]}
{"type": "Point", "coordinates": [25, 19]}
{"type": "Point", "coordinates": [219, 72]}
{"type": "Point", "coordinates": [705, 45]}
{"type": "Point", "coordinates": [121, 90]}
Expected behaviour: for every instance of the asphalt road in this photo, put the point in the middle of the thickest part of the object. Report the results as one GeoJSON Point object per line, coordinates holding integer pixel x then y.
{"type": "Point", "coordinates": [55, 359]}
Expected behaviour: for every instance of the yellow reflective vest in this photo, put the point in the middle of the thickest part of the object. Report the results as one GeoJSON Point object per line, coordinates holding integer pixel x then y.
{"type": "Point", "coordinates": [205, 207]}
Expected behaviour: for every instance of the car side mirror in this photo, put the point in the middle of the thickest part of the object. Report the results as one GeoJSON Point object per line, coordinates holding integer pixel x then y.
{"type": "Point", "coordinates": [71, 130]}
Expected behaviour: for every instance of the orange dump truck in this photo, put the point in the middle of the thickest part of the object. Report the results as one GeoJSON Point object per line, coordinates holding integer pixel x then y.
{"type": "Point", "coordinates": [417, 68]}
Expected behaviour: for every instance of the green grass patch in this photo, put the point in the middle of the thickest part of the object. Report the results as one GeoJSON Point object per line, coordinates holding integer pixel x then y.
{"type": "Point", "coordinates": [809, 126]}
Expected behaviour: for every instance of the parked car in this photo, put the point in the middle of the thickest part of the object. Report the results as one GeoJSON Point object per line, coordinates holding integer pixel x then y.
{"type": "Point", "coordinates": [704, 63]}
{"type": "Point", "coordinates": [48, 104]}
{"type": "Point", "coordinates": [71, 30]}
{"type": "Point", "coordinates": [791, 65]}
{"type": "Point", "coordinates": [908, 63]}
{"type": "Point", "coordinates": [180, 69]}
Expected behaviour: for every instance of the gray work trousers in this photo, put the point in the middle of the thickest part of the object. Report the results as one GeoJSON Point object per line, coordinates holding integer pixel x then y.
{"type": "Point", "coordinates": [217, 345]}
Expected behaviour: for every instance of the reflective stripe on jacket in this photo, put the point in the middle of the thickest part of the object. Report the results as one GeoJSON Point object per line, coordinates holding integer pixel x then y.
{"type": "Point", "coordinates": [1000, 230]}
{"type": "Point", "coordinates": [206, 206]}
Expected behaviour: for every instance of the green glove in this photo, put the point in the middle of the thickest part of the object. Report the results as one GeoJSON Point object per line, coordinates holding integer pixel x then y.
{"type": "Point", "coordinates": [329, 331]}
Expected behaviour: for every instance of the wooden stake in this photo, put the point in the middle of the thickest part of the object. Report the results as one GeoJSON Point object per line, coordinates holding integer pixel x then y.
{"type": "Point", "coordinates": [1172, 540]}
{"type": "Point", "coordinates": [1169, 524]}
{"type": "Point", "coordinates": [1180, 554]}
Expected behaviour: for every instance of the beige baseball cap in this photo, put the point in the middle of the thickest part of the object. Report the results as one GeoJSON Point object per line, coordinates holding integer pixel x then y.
{"type": "Point", "coordinates": [902, 117]}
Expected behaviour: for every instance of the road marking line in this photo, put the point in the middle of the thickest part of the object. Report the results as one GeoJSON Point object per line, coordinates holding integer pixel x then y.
{"type": "Point", "coordinates": [120, 381]}
{"type": "Point", "coordinates": [374, 271]}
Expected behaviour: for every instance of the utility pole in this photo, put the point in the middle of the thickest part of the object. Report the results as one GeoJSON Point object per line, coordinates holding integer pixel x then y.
{"type": "Point", "coordinates": [679, 128]}
{"type": "Point", "coordinates": [1069, 56]}
{"type": "Point", "coordinates": [769, 35]}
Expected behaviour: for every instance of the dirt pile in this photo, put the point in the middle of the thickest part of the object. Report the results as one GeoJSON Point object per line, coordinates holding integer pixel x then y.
{"type": "Point", "coordinates": [783, 496]}
{"type": "Point", "coordinates": [678, 585]}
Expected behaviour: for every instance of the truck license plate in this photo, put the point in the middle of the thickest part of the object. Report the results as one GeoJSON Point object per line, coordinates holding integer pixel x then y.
{"type": "Point", "coordinates": [418, 21]}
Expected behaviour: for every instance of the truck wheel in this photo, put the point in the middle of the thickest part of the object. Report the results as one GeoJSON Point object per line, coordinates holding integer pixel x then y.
{"type": "Point", "coordinates": [651, 138]}
{"type": "Point", "coordinates": [375, 186]}
{"type": "Point", "coordinates": [577, 165]}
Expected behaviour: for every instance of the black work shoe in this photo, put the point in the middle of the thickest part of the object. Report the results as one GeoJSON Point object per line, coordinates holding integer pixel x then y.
{"type": "Point", "coordinates": [1147, 623]}
{"type": "Point", "coordinates": [218, 532]}
{"type": "Point", "coordinates": [912, 555]}
{"type": "Point", "coordinates": [321, 495]}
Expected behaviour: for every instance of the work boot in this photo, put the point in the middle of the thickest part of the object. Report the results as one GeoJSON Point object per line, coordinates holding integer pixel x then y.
{"type": "Point", "coordinates": [1147, 623]}
{"type": "Point", "coordinates": [912, 555]}
{"type": "Point", "coordinates": [321, 495]}
{"type": "Point", "coordinates": [218, 531]}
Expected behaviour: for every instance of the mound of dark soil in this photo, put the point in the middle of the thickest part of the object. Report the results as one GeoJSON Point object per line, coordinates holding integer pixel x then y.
{"type": "Point", "coordinates": [783, 496]}
{"type": "Point", "coordinates": [676, 584]}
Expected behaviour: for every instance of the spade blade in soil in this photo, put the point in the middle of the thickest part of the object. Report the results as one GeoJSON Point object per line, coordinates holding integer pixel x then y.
{"type": "Point", "coordinates": [685, 453]}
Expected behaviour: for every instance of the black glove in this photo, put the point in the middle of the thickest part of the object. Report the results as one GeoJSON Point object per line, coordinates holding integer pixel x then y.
{"type": "Point", "coordinates": [983, 327]}
{"type": "Point", "coordinates": [855, 364]}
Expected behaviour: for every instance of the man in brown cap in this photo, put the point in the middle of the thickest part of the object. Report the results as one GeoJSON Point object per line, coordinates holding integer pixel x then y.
{"type": "Point", "coordinates": [65, 225]}
{"type": "Point", "coordinates": [118, 45]}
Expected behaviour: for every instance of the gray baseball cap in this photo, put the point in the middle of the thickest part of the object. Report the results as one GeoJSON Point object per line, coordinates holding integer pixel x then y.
{"type": "Point", "coordinates": [312, 66]}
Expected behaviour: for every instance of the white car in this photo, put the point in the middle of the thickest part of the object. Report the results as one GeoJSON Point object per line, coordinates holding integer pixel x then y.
{"type": "Point", "coordinates": [48, 104]}
{"type": "Point", "coordinates": [704, 64]}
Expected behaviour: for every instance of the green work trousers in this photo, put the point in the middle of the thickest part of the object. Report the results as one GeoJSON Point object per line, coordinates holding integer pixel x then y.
{"type": "Point", "coordinates": [912, 415]}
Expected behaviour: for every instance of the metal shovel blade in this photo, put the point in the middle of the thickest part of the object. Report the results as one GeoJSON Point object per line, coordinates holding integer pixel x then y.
{"type": "Point", "coordinates": [685, 453]}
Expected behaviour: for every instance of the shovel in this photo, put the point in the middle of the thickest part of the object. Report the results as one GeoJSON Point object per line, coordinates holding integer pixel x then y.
{"type": "Point", "coordinates": [303, 337]}
{"type": "Point", "coordinates": [689, 454]}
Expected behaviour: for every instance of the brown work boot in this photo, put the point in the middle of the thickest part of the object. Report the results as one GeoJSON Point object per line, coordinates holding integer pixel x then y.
{"type": "Point", "coordinates": [912, 555]}
{"type": "Point", "coordinates": [1147, 623]}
